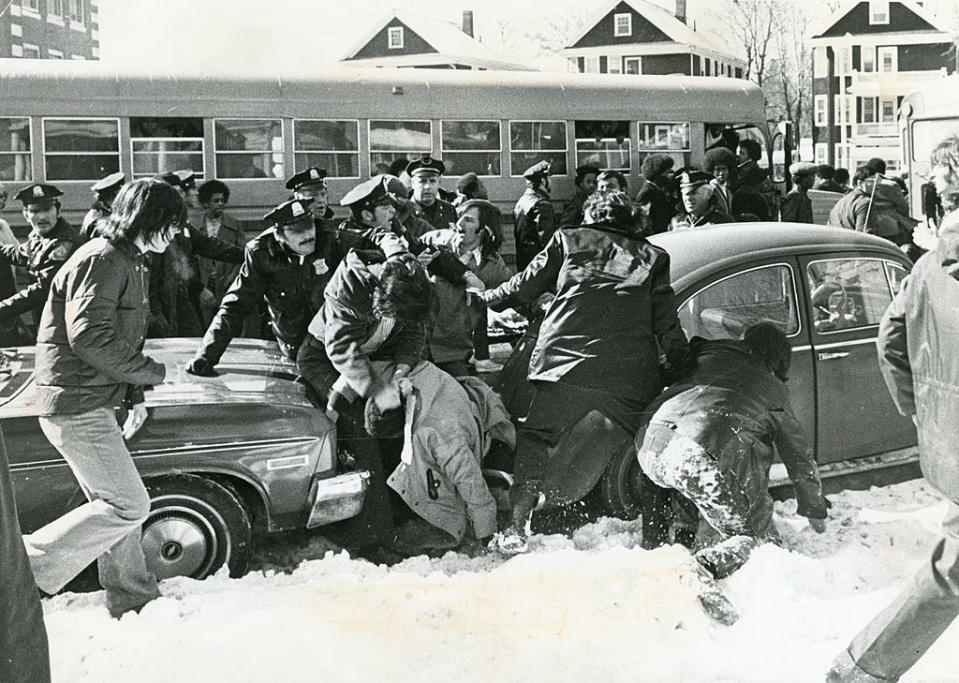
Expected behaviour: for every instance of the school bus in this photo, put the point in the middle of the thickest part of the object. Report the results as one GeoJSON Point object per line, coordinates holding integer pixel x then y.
{"type": "Point", "coordinates": [71, 123]}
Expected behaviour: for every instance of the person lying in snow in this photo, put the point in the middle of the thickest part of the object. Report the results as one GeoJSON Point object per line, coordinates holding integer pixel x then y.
{"type": "Point", "coordinates": [448, 426]}
{"type": "Point", "coordinates": [711, 438]}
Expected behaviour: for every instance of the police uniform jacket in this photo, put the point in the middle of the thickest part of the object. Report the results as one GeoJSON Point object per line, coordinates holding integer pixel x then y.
{"type": "Point", "coordinates": [535, 223]}
{"type": "Point", "coordinates": [685, 221]}
{"type": "Point", "coordinates": [613, 312]}
{"type": "Point", "coordinates": [439, 214]}
{"type": "Point", "coordinates": [90, 337]}
{"type": "Point", "coordinates": [291, 285]}
{"type": "Point", "coordinates": [738, 411]}
{"type": "Point", "coordinates": [918, 357]}
{"type": "Point", "coordinates": [42, 256]}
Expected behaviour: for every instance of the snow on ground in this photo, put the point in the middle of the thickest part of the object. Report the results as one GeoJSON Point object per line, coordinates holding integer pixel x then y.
{"type": "Point", "coordinates": [593, 606]}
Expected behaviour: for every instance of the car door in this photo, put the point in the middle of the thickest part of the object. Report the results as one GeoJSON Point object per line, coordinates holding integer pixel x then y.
{"type": "Point", "coordinates": [846, 296]}
{"type": "Point", "coordinates": [724, 304]}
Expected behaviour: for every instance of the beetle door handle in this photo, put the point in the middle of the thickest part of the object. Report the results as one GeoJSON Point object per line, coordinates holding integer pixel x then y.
{"type": "Point", "coordinates": [833, 356]}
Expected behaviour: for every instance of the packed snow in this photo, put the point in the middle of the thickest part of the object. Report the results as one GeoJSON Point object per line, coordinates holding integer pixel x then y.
{"type": "Point", "coordinates": [589, 606]}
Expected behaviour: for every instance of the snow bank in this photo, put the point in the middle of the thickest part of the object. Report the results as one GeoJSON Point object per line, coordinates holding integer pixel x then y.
{"type": "Point", "coordinates": [590, 607]}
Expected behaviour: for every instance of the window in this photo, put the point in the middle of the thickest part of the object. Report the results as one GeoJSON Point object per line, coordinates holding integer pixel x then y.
{"type": "Point", "coordinates": [821, 153]}
{"type": "Point", "coordinates": [248, 148]}
{"type": "Point", "coordinates": [395, 38]}
{"type": "Point", "coordinates": [820, 114]}
{"type": "Point", "coordinates": [614, 64]}
{"type": "Point", "coordinates": [896, 274]}
{"type": "Point", "coordinates": [622, 24]}
{"type": "Point", "coordinates": [572, 65]}
{"type": "Point", "coordinates": [390, 140]}
{"type": "Point", "coordinates": [54, 54]}
{"type": "Point", "coordinates": [844, 60]}
{"type": "Point", "coordinates": [887, 110]}
{"type": "Point", "coordinates": [31, 51]}
{"type": "Point", "coordinates": [878, 11]}
{"type": "Point", "coordinates": [633, 65]}
{"type": "Point", "coordinates": [837, 109]}
{"type": "Point", "coordinates": [592, 65]}
{"type": "Point", "coordinates": [75, 11]}
{"type": "Point", "coordinates": [15, 160]}
{"type": "Point", "coordinates": [888, 59]}
{"type": "Point", "coordinates": [533, 141]}
{"type": "Point", "coordinates": [868, 109]}
{"type": "Point", "coordinates": [727, 308]}
{"type": "Point", "coordinates": [845, 293]}
{"type": "Point", "coordinates": [55, 9]}
{"type": "Point", "coordinates": [160, 144]}
{"type": "Point", "coordinates": [667, 138]}
{"type": "Point", "coordinates": [471, 146]}
{"type": "Point", "coordinates": [868, 59]}
{"type": "Point", "coordinates": [80, 149]}
{"type": "Point", "coordinates": [30, 6]}
{"type": "Point", "coordinates": [603, 143]}
{"type": "Point", "coordinates": [820, 64]}
{"type": "Point", "coordinates": [331, 145]}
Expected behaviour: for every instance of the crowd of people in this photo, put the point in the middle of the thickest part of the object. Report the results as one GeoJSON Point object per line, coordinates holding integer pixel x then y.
{"type": "Point", "coordinates": [385, 315]}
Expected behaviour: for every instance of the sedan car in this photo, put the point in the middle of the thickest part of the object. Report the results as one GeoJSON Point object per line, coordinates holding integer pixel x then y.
{"type": "Point", "coordinates": [224, 458]}
{"type": "Point", "coordinates": [827, 288]}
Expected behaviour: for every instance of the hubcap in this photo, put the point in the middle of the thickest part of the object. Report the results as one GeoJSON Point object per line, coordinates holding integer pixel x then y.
{"type": "Point", "coordinates": [178, 542]}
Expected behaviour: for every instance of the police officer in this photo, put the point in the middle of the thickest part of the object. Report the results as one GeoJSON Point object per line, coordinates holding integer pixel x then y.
{"type": "Point", "coordinates": [105, 191]}
{"type": "Point", "coordinates": [311, 184]}
{"type": "Point", "coordinates": [49, 245]}
{"type": "Point", "coordinates": [177, 292]}
{"type": "Point", "coordinates": [285, 267]}
{"type": "Point", "coordinates": [701, 202]}
{"type": "Point", "coordinates": [372, 213]}
{"type": "Point", "coordinates": [424, 176]}
{"type": "Point", "coordinates": [534, 219]}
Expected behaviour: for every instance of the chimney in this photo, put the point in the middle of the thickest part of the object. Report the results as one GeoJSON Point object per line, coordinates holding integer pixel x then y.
{"type": "Point", "coordinates": [468, 22]}
{"type": "Point", "coordinates": [681, 10]}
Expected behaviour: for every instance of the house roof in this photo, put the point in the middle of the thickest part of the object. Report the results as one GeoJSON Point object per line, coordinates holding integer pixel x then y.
{"type": "Point", "coordinates": [847, 6]}
{"type": "Point", "coordinates": [448, 39]}
{"type": "Point", "coordinates": [664, 20]}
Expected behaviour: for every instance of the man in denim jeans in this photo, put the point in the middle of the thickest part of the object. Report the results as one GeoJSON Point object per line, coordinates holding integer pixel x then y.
{"type": "Point", "coordinates": [919, 360]}
{"type": "Point", "coordinates": [89, 360]}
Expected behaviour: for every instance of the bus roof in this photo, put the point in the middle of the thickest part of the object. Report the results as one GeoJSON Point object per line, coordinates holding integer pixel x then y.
{"type": "Point", "coordinates": [52, 88]}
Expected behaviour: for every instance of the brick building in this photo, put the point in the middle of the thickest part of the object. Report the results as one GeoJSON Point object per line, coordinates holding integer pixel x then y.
{"type": "Point", "coordinates": [866, 57]}
{"type": "Point", "coordinates": [50, 29]}
{"type": "Point", "coordinates": [639, 37]}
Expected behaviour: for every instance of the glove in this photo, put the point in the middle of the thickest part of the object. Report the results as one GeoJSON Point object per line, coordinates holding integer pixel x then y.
{"type": "Point", "coordinates": [201, 368]}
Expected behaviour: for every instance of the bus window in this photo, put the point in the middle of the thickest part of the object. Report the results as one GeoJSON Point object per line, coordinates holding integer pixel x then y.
{"type": "Point", "coordinates": [161, 144]}
{"type": "Point", "coordinates": [671, 139]}
{"type": "Point", "coordinates": [927, 134]}
{"type": "Point", "coordinates": [390, 140]}
{"type": "Point", "coordinates": [534, 141]}
{"type": "Point", "coordinates": [15, 163]}
{"type": "Point", "coordinates": [331, 145]}
{"type": "Point", "coordinates": [753, 133]}
{"type": "Point", "coordinates": [248, 148]}
{"type": "Point", "coordinates": [80, 149]}
{"type": "Point", "coordinates": [604, 144]}
{"type": "Point", "coordinates": [471, 146]}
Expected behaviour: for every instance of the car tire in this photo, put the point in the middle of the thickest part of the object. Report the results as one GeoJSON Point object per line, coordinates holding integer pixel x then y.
{"type": "Point", "coordinates": [195, 526]}
{"type": "Point", "coordinates": [621, 486]}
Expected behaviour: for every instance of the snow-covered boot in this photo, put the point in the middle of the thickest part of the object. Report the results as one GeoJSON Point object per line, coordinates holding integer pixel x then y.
{"type": "Point", "coordinates": [727, 556]}
{"type": "Point", "coordinates": [845, 670]}
{"type": "Point", "coordinates": [713, 599]}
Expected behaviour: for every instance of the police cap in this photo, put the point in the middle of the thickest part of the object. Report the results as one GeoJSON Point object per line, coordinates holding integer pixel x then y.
{"type": "Point", "coordinates": [170, 178]}
{"type": "Point", "coordinates": [370, 192]}
{"type": "Point", "coordinates": [425, 165]}
{"type": "Point", "coordinates": [537, 170]}
{"type": "Point", "coordinates": [38, 193]}
{"type": "Point", "coordinates": [291, 211]}
{"type": "Point", "coordinates": [311, 176]}
{"type": "Point", "coordinates": [802, 168]}
{"type": "Point", "coordinates": [691, 179]}
{"type": "Point", "coordinates": [109, 183]}
{"type": "Point", "coordinates": [187, 178]}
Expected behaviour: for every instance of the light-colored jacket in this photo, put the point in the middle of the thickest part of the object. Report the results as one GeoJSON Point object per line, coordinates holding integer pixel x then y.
{"type": "Point", "coordinates": [450, 425]}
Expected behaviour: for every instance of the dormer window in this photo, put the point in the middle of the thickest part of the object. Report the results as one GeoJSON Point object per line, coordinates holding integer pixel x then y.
{"type": "Point", "coordinates": [395, 38]}
{"type": "Point", "coordinates": [878, 11]}
{"type": "Point", "coordinates": [622, 25]}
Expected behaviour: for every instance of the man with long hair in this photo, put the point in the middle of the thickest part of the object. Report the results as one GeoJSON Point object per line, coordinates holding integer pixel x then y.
{"type": "Point", "coordinates": [89, 361]}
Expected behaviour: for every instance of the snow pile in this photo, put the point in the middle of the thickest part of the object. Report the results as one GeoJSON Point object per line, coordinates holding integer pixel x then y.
{"type": "Point", "coordinates": [591, 607]}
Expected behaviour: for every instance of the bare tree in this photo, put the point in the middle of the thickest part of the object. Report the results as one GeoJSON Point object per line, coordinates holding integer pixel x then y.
{"type": "Point", "coordinates": [792, 92]}
{"type": "Point", "coordinates": [754, 22]}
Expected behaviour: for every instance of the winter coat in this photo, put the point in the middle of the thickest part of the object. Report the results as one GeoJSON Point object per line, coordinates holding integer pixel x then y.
{"type": "Point", "coordinates": [217, 276]}
{"type": "Point", "coordinates": [90, 338]}
{"type": "Point", "coordinates": [831, 186]}
{"type": "Point", "coordinates": [685, 221]}
{"type": "Point", "coordinates": [440, 214]}
{"type": "Point", "coordinates": [614, 311]}
{"type": "Point", "coordinates": [353, 334]}
{"type": "Point", "coordinates": [291, 285]}
{"type": "Point", "coordinates": [573, 209]}
{"type": "Point", "coordinates": [451, 425]}
{"type": "Point", "coordinates": [918, 357]}
{"type": "Point", "coordinates": [878, 208]}
{"type": "Point", "coordinates": [534, 225]}
{"type": "Point", "coordinates": [796, 207]}
{"type": "Point", "coordinates": [659, 207]}
{"type": "Point", "coordinates": [42, 256]}
{"type": "Point", "coordinates": [90, 227]}
{"type": "Point", "coordinates": [737, 411]}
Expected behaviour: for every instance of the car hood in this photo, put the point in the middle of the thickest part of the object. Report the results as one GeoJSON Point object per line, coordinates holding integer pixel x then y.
{"type": "Point", "coordinates": [250, 371]}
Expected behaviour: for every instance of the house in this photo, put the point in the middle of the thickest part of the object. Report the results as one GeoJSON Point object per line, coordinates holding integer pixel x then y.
{"type": "Point", "coordinates": [639, 37]}
{"type": "Point", "coordinates": [413, 40]}
{"type": "Point", "coordinates": [866, 57]}
{"type": "Point", "coordinates": [50, 29]}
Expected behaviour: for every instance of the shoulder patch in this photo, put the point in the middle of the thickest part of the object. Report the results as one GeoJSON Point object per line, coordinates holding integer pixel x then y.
{"type": "Point", "coordinates": [61, 252]}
